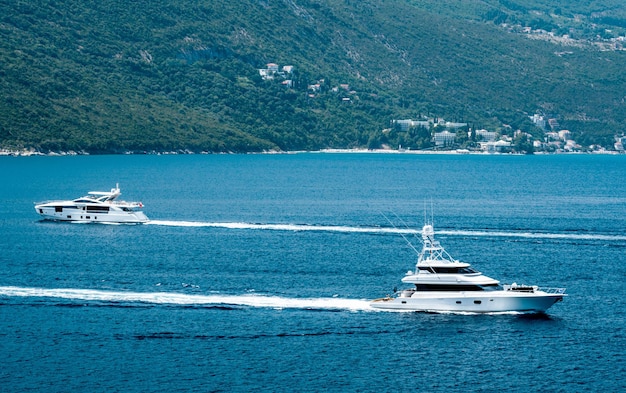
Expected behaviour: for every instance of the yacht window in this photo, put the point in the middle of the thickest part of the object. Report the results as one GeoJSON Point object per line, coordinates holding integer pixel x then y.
{"type": "Point", "coordinates": [58, 209]}
{"type": "Point", "coordinates": [97, 209]}
{"type": "Point", "coordinates": [492, 287]}
{"type": "Point", "coordinates": [455, 270]}
{"type": "Point", "coordinates": [447, 287]}
{"type": "Point", "coordinates": [477, 302]}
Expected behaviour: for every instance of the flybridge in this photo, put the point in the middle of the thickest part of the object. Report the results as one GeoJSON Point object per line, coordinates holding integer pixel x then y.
{"type": "Point", "coordinates": [107, 196]}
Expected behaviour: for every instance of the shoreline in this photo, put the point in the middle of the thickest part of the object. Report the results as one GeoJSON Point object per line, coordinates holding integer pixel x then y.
{"type": "Point", "coordinates": [30, 153]}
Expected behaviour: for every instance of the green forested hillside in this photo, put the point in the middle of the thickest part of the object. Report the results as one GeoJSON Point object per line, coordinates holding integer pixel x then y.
{"type": "Point", "coordinates": [115, 76]}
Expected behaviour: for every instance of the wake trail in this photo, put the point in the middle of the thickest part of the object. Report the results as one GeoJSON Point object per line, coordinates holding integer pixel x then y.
{"type": "Point", "coordinates": [282, 227]}
{"type": "Point", "coordinates": [168, 298]}
{"type": "Point", "coordinates": [386, 230]}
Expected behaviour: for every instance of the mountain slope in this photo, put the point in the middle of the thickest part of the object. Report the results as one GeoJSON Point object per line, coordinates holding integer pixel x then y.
{"type": "Point", "coordinates": [116, 76]}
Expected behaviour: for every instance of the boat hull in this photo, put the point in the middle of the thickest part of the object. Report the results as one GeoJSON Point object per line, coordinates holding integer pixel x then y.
{"type": "Point", "coordinates": [79, 215]}
{"type": "Point", "coordinates": [493, 302]}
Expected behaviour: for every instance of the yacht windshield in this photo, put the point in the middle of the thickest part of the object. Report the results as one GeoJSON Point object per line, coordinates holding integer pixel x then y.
{"type": "Point", "coordinates": [456, 287]}
{"type": "Point", "coordinates": [448, 270]}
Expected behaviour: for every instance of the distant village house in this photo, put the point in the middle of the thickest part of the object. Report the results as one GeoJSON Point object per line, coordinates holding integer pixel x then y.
{"type": "Point", "coordinates": [273, 70]}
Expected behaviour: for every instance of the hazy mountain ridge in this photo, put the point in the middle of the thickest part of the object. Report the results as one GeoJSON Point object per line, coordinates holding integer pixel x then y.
{"type": "Point", "coordinates": [116, 76]}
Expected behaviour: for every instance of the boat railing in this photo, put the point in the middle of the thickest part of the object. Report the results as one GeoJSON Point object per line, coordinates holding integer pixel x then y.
{"type": "Point", "coordinates": [555, 291]}
{"type": "Point", "coordinates": [124, 203]}
{"type": "Point", "coordinates": [533, 288]}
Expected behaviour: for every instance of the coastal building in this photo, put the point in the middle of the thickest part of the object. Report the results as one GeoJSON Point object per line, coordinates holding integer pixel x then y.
{"type": "Point", "coordinates": [620, 142]}
{"type": "Point", "coordinates": [554, 124]}
{"type": "Point", "coordinates": [429, 123]}
{"type": "Point", "coordinates": [496, 147]}
{"type": "Point", "coordinates": [571, 146]}
{"type": "Point", "coordinates": [265, 74]}
{"type": "Point", "coordinates": [565, 135]}
{"type": "Point", "coordinates": [269, 72]}
{"type": "Point", "coordinates": [552, 136]}
{"type": "Point", "coordinates": [539, 121]}
{"type": "Point", "coordinates": [444, 138]}
{"type": "Point", "coordinates": [486, 136]}
{"type": "Point", "coordinates": [273, 71]}
{"type": "Point", "coordinates": [405, 124]}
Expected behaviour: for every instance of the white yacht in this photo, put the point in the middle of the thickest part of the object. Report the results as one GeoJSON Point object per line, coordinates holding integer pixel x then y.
{"type": "Point", "coordinates": [443, 284]}
{"type": "Point", "coordinates": [97, 206]}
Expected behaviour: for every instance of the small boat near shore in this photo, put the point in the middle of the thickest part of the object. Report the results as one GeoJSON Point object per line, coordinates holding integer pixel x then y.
{"type": "Point", "coordinates": [96, 206]}
{"type": "Point", "coordinates": [443, 284]}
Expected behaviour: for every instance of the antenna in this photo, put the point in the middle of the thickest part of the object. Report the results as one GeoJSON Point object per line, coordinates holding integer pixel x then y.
{"type": "Point", "coordinates": [432, 212]}
{"type": "Point", "coordinates": [408, 228]}
{"type": "Point", "coordinates": [401, 234]}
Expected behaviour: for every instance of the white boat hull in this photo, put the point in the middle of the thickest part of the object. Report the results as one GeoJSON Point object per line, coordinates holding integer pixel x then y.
{"type": "Point", "coordinates": [472, 302]}
{"type": "Point", "coordinates": [77, 214]}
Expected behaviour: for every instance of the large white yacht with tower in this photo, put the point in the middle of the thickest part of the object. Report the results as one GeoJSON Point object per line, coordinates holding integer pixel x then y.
{"type": "Point", "coordinates": [443, 284]}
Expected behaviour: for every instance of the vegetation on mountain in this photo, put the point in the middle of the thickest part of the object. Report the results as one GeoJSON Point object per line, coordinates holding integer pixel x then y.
{"type": "Point", "coordinates": [116, 76]}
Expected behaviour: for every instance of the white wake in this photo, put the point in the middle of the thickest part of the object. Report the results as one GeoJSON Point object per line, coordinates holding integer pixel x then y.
{"type": "Point", "coordinates": [169, 298]}
{"type": "Point", "coordinates": [387, 230]}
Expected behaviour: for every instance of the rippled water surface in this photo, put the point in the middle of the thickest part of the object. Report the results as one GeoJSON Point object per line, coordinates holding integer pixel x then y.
{"type": "Point", "coordinates": [255, 272]}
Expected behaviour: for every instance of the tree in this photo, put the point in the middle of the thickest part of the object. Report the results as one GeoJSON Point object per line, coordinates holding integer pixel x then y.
{"type": "Point", "coordinates": [461, 138]}
{"type": "Point", "coordinates": [523, 143]}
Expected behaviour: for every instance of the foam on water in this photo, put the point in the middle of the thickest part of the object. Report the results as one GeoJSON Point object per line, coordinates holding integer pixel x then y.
{"type": "Point", "coordinates": [386, 230]}
{"type": "Point", "coordinates": [536, 235]}
{"type": "Point", "coordinates": [186, 299]}
{"type": "Point", "coordinates": [282, 227]}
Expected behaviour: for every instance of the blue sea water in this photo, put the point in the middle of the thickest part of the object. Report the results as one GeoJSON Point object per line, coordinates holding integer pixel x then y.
{"type": "Point", "coordinates": [255, 272]}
